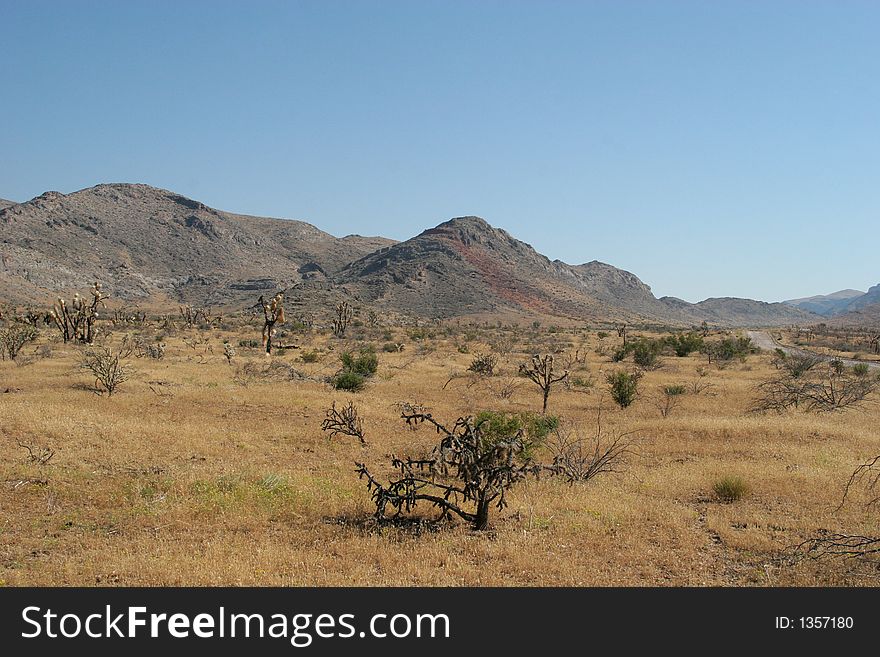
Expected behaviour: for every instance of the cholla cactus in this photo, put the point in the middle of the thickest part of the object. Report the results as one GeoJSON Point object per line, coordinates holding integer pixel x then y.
{"type": "Point", "coordinates": [273, 313]}
{"type": "Point", "coordinates": [228, 352]}
{"type": "Point", "coordinates": [76, 320]}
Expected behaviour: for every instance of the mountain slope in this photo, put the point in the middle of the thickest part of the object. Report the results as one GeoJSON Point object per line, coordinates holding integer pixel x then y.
{"type": "Point", "coordinates": [825, 304]}
{"type": "Point", "coordinates": [869, 298]}
{"type": "Point", "coordinates": [5, 204]}
{"type": "Point", "coordinates": [147, 242]}
{"type": "Point", "coordinates": [465, 266]}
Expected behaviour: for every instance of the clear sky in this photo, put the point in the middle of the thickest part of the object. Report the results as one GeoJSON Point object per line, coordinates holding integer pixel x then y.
{"type": "Point", "coordinates": [712, 148]}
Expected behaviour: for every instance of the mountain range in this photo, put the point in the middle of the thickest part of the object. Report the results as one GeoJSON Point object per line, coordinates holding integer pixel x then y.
{"type": "Point", "coordinates": [149, 245]}
{"type": "Point", "coordinates": [845, 306]}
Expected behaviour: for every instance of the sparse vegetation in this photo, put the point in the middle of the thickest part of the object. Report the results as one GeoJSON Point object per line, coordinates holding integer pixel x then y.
{"type": "Point", "coordinates": [230, 452]}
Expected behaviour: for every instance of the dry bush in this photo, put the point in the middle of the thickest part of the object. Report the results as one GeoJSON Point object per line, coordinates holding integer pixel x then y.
{"type": "Point", "coordinates": [107, 368]}
{"type": "Point", "coordinates": [346, 421]}
{"type": "Point", "coordinates": [839, 544]}
{"type": "Point", "coordinates": [668, 398]}
{"type": "Point", "coordinates": [578, 458]}
{"type": "Point", "coordinates": [14, 338]}
{"type": "Point", "coordinates": [36, 454]}
{"type": "Point", "coordinates": [813, 388]}
{"type": "Point", "coordinates": [483, 364]}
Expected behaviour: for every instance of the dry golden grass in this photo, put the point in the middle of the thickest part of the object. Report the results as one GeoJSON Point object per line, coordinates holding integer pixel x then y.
{"type": "Point", "coordinates": [185, 477]}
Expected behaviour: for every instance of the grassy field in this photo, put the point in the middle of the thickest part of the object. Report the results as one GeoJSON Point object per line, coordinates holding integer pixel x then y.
{"type": "Point", "coordinates": [198, 473]}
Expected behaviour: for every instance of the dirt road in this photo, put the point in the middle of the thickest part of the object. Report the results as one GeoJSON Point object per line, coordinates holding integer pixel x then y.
{"type": "Point", "coordinates": [764, 340]}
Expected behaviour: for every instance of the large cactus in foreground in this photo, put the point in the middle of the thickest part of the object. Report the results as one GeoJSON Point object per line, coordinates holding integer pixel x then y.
{"type": "Point", "coordinates": [76, 320]}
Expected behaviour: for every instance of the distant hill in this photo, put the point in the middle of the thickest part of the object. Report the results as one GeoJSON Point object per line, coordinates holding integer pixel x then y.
{"type": "Point", "coordinates": [143, 242]}
{"type": "Point", "coordinates": [5, 204]}
{"type": "Point", "coordinates": [825, 304]}
{"type": "Point", "coordinates": [466, 266]}
{"type": "Point", "coordinates": [838, 303]}
{"type": "Point", "coordinates": [152, 245]}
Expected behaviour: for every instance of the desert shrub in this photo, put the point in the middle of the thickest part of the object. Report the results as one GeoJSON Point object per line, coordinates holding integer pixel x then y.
{"type": "Point", "coordinates": [107, 368]}
{"type": "Point", "coordinates": [540, 371]}
{"type": "Point", "coordinates": [389, 348]}
{"type": "Point", "coordinates": [14, 338]}
{"type": "Point", "coordinates": [796, 365]}
{"type": "Point", "coordinates": [683, 344]}
{"type": "Point", "coordinates": [249, 344]}
{"type": "Point", "coordinates": [578, 458]}
{"type": "Point", "coordinates": [350, 381]}
{"type": "Point", "coordinates": [620, 353]}
{"type": "Point", "coordinates": [310, 356]}
{"type": "Point", "coordinates": [669, 397]}
{"type": "Point", "coordinates": [861, 369]}
{"type": "Point", "coordinates": [818, 389]}
{"type": "Point", "coordinates": [646, 353]}
{"type": "Point", "coordinates": [624, 387]}
{"type": "Point", "coordinates": [483, 364]}
{"type": "Point", "coordinates": [726, 349]}
{"type": "Point", "coordinates": [496, 426]}
{"type": "Point", "coordinates": [730, 489]}
{"type": "Point", "coordinates": [602, 335]}
{"type": "Point", "coordinates": [364, 363]}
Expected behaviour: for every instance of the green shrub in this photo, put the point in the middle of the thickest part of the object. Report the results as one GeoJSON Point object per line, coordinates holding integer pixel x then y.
{"type": "Point", "coordinates": [730, 489]}
{"type": "Point", "coordinates": [620, 353]}
{"type": "Point", "coordinates": [364, 363]}
{"type": "Point", "coordinates": [674, 391]}
{"type": "Point", "coordinates": [683, 344]}
{"type": "Point", "coordinates": [624, 387]}
{"type": "Point", "coordinates": [349, 381]}
{"type": "Point", "coordinates": [495, 426]}
{"type": "Point", "coordinates": [646, 353]}
{"type": "Point", "coordinates": [860, 369]}
{"type": "Point", "coordinates": [249, 344]}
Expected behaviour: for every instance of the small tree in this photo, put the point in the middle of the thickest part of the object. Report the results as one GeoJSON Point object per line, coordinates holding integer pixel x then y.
{"type": "Point", "coordinates": [273, 313]}
{"type": "Point", "coordinates": [76, 320]}
{"type": "Point", "coordinates": [468, 471]}
{"type": "Point", "coordinates": [540, 370]}
{"type": "Point", "coordinates": [344, 315]}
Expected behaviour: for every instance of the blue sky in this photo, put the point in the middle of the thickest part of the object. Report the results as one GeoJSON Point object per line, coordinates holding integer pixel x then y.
{"type": "Point", "coordinates": [712, 148]}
